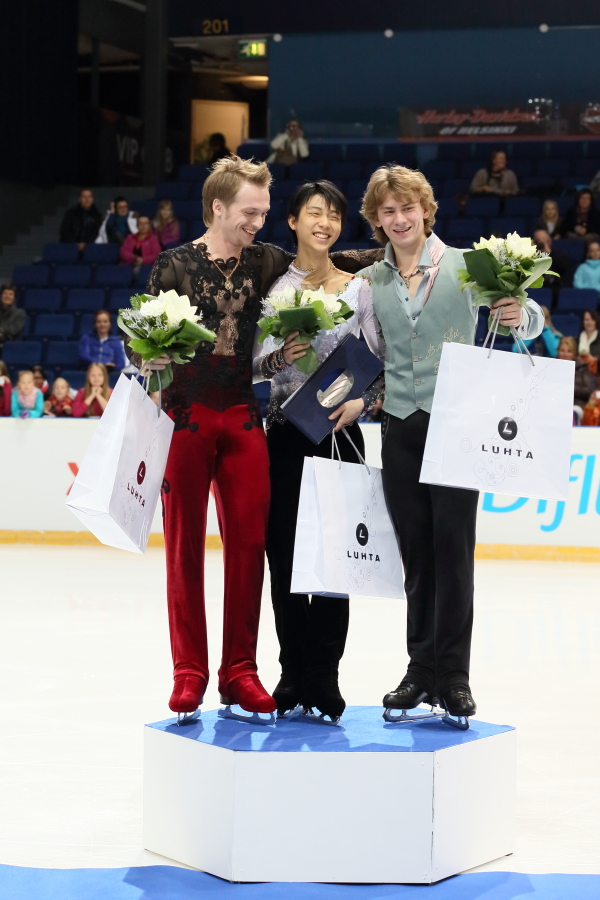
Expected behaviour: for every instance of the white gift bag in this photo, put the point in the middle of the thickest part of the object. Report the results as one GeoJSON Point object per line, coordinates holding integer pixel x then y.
{"type": "Point", "coordinates": [118, 484]}
{"type": "Point", "coordinates": [345, 540]}
{"type": "Point", "coordinates": [501, 422]}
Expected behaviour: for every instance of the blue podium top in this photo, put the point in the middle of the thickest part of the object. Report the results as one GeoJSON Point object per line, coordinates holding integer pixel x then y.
{"type": "Point", "coordinates": [362, 730]}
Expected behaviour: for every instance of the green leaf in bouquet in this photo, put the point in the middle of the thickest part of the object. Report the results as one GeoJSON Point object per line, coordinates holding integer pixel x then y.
{"type": "Point", "coordinates": [146, 348]}
{"type": "Point", "coordinates": [300, 318]}
{"type": "Point", "coordinates": [128, 331]}
{"type": "Point", "coordinates": [539, 268]}
{"type": "Point", "coordinates": [163, 376]}
{"type": "Point", "coordinates": [181, 357]}
{"type": "Point", "coordinates": [483, 267]}
{"type": "Point", "coordinates": [137, 300]}
{"type": "Point", "coordinates": [159, 336]}
{"type": "Point", "coordinates": [502, 329]}
{"type": "Point", "coordinates": [193, 333]}
{"type": "Point", "coordinates": [345, 312]}
{"type": "Point", "coordinates": [324, 320]}
{"type": "Point", "coordinates": [309, 363]}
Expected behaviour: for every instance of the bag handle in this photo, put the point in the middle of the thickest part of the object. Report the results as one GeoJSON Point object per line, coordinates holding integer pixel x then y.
{"type": "Point", "coordinates": [334, 444]}
{"type": "Point", "coordinates": [519, 341]}
{"type": "Point", "coordinates": [146, 386]}
{"type": "Point", "coordinates": [516, 337]}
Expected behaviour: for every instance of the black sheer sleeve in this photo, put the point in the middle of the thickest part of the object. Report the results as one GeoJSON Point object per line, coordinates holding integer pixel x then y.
{"type": "Point", "coordinates": [353, 261]}
{"type": "Point", "coordinates": [272, 262]}
{"type": "Point", "coordinates": [163, 276]}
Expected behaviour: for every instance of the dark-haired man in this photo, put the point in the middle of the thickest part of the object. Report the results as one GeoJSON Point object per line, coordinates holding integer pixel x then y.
{"type": "Point", "coordinates": [12, 319]}
{"type": "Point", "coordinates": [81, 223]}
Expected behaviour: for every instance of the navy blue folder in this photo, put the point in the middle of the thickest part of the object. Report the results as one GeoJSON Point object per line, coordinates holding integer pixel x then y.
{"type": "Point", "coordinates": [344, 375]}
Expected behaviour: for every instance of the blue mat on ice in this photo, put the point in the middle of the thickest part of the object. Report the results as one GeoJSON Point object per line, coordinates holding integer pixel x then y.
{"type": "Point", "coordinates": [362, 730]}
{"type": "Point", "coordinates": [171, 883]}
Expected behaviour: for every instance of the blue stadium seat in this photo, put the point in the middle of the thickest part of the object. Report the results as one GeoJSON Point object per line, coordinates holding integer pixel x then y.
{"type": "Point", "coordinates": [564, 204]}
{"type": "Point", "coordinates": [59, 325]}
{"type": "Point", "coordinates": [455, 151]}
{"type": "Point", "coordinates": [306, 171]}
{"type": "Point", "coordinates": [62, 353]}
{"type": "Point", "coordinates": [356, 187]}
{"type": "Point", "coordinates": [72, 276]}
{"type": "Point", "coordinates": [197, 188]}
{"type": "Point", "coordinates": [113, 276]}
{"type": "Point", "coordinates": [343, 171]}
{"type": "Point", "coordinates": [453, 186]}
{"type": "Point", "coordinates": [469, 167]}
{"type": "Point", "coordinates": [142, 276]}
{"type": "Point", "coordinates": [257, 150]}
{"type": "Point", "coordinates": [22, 354]}
{"type": "Point", "coordinates": [543, 296]}
{"type": "Point", "coordinates": [196, 229]}
{"type": "Point", "coordinates": [482, 206]}
{"type": "Point", "coordinates": [527, 150]}
{"type": "Point", "coordinates": [586, 168]}
{"type": "Point", "coordinates": [354, 205]}
{"type": "Point", "coordinates": [101, 254]}
{"type": "Point", "coordinates": [188, 209]}
{"type": "Point", "coordinates": [350, 231]}
{"type": "Point", "coordinates": [86, 325]}
{"type": "Point", "coordinates": [86, 299]}
{"type": "Point", "coordinates": [46, 299]}
{"type": "Point", "coordinates": [75, 377]}
{"type": "Point", "coordinates": [402, 154]}
{"type": "Point", "coordinates": [569, 325]}
{"type": "Point", "coordinates": [193, 172]}
{"type": "Point", "coordinates": [278, 171]}
{"type": "Point", "coordinates": [65, 254]}
{"type": "Point", "coordinates": [465, 227]}
{"type": "Point", "coordinates": [30, 276]}
{"type": "Point", "coordinates": [447, 208]}
{"type": "Point", "coordinates": [283, 190]}
{"type": "Point", "coordinates": [147, 208]}
{"type": "Point", "coordinates": [363, 152]}
{"type": "Point", "coordinates": [365, 244]}
{"type": "Point", "coordinates": [264, 233]}
{"type": "Point", "coordinates": [553, 168]}
{"type": "Point", "coordinates": [521, 167]}
{"type": "Point", "coordinates": [120, 299]}
{"type": "Point", "coordinates": [326, 152]}
{"type": "Point", "coordinates": [574, 249]}
{"type": "Point", "coordinates": [281, 231]}
{"type": "Point", "coordinates": [522, 206]}
{"type": "Point", "coordinates": [439, 168]}
{"type": "Point", "coordinates": [172, 190]}
{"type": "Point", "coordinates": [566, 150]}
{"type": "Point", "coordinates": [536, 183]}
{"type": "Point", "coordinates": [507, 224]}
{"type": "Point", "coordinates": [577, 299]}
{"type": "Point", "coordinates": [277, 210]}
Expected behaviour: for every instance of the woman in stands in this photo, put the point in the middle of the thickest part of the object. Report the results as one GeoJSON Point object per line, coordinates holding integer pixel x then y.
{"type": "Point", "coordinates": [91, 400]}
{"type": "Point", "coordinates": [586, 383]}
{"type": "Point", "coordinates": [100, 346]}
{"type": "Point", "coordinates": [550, 219]}
{"type": "Point", "coordinates": [587, 275]}
{"type": "Point", "coordinates": [166, 226]}
{"type": "Point", "coordinates": [582, 220]}
{"type": "Point", "coordinates": [550, 338]}
{"type": "Point", "coordinates": [312, 633]}
{"type": "Point", "coordinates": [5, 390]}
{"type": "Point", "coordinates": [27, 401]}
{"type": "Point", "coordinates": [589, 339]}
{"type": "Point", "coordinates": [141, 248]}
{"type": "Point", "coordinates": [118, 223]}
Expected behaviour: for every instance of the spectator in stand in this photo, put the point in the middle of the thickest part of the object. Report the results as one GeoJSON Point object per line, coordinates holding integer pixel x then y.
{"type": "Point", "coordinates": [60, 402]}
{"type": "Point", "coordinates": [12, 319]}
{"type": "Point", "coordinates": [100, 346]}
{"type": "Point", "coordinates": [550, 219]}
{"type": "Point", "coordinates": [26, 402]}
{"type": "Point", "coordinates": [217, 148]}
{"type": "Point", "coordinates": [91, 400]}
{"type": "Point", "coordinates": [166, 226]}
{"type": "Point", "coordinates": [587, 274]}
{"type": "Point", "coordinates": [582, 220]}
{"type": "Point", "coordinates": [560, 264]}
{"type": "Point", "coordinates": [547, 343]}
{"type": "Point", "coordinates": [290, 146]}
{"type": "Point", "coordinates": [141, 248]}
{"type": "Point", "coordinates": [5, 390]}
{"type": "Point", "coordinates": [496, 179]}
{"type": "Point", "coordinates": [81, 224]}
{"type": "Point", "coordinates": [118, 223]}
{"type": "Point", "coordinates": [589, 341]}
{"type": "Point", "coordinates": [39, 378]}
{"type": "Point", "coordinates": [585, 382]}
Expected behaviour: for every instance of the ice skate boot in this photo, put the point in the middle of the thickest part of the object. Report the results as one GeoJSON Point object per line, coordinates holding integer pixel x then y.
{"type": "Point", "coordinates": [322, 693]}
{"type": "Point", "coordinates": [187, 697]}
{"type": "Point", "coordinates": [409, 696]}
{"type": "Point", "coordinates": [287, 696]}
{"type": "Point", "coordinates": [247, 692]}
{"type": "Point", "coordinates": [458, 704]}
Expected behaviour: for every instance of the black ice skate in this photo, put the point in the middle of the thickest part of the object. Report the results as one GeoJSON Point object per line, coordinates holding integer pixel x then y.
{"type": "Point", "coordinates": [322, 694]}
{"type": "Point", "coordinates": [459, 705]}
{"type": "Point", "coordinates": [408, 697]}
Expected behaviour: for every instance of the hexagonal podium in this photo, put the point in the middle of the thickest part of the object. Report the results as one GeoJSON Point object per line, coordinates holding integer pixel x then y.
{"type": "Point", "coordinates": [362, 802]}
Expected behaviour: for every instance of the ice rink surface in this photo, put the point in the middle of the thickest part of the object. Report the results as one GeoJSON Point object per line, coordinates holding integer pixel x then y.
{"type": "Point", "coordinates": [85, 662]}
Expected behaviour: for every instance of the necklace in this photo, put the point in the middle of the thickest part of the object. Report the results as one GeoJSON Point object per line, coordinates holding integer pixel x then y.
{"type": "Point", "coordinates": [406, 278]}
{"type": "Point", "coordinates": [228, 282]}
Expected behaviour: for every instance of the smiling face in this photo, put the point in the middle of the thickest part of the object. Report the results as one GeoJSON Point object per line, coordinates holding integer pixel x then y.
{"type": "Point", "coordinates": [499, 161]}
{"type": "Point", "coordinates": [402, 219]}
{"type": "Point", "coordinates": [593, 251]}
{"type": "Point", "coordinates": [26, 382]}
{"type": "Point", "coordinates": [122, 208]}
{"type": "Point", "coordinates": [102, 324]}
{"type": "Point", "coordinates": [144, 226]}
{"type": "Point", "coordinates": [584, 202]}
{"type": "Point", "coordinates": [565, 350]}
{"type": "Point", "coordinates": [589, 324]}
{"type": "Point", "coordinates": [317, 225]}
{"type": "Point", "coordinates": [245, 215]}
{"type": "Point", "coordinates": [96, 376]}
{"type": "Point", "coordinates": [60, 389]}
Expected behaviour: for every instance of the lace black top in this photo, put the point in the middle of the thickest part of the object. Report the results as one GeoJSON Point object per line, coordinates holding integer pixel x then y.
{"type": "Point", "coordinates": [220, 375]}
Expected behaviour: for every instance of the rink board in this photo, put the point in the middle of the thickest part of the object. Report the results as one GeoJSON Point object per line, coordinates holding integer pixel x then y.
{"type": "Point", "coordinates": [366, 802]}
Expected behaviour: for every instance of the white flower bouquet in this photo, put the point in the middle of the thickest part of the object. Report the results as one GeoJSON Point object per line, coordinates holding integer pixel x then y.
{"type": "Point", "coordinates": [163, 325]}
{"type": "Point", "coordinates": [503, 267]}
{"type": "Point", "coordinates": [307, 312]}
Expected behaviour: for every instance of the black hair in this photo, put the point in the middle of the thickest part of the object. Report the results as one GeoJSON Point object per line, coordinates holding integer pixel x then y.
{"type": "Point", "coordinates": [120, 199]}
{"type": "Point", "coordinates": [594, 315]}
{"type": "Point", "coordinates": [491, 159]}
{"type": "Point", "coordinates": [580, 194]}
{"type": "Point", "coordinates": [333, 198]}
{"type": "Point", "coordinates": [217, 137]}
{"type": "Point", "coordinates": [293, 119]}
{"type": "Point", "coordinates": [39, 369]}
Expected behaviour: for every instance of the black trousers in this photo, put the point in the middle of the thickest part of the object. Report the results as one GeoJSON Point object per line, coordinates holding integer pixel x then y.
{"type": "Point", "coordinates": [436, 531]}
{"type": "Point", "coordinates": [312, 634]}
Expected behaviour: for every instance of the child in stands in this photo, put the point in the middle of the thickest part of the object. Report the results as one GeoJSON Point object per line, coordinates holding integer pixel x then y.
{"type": "Point", "coordinates": [91, 400]}
{"type": "Point", "coordinates": [40, 381]}
{"type": "Point", "coordinates": [27, 401]}
{"type": "Point", "coordinates": [60, 403]}
{"type": "Point", "coordinates": [5, 390]}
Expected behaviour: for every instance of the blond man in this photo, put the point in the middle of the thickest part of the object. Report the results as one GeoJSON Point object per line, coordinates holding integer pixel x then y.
{"type": "Point", "coordinates": [420, 306]}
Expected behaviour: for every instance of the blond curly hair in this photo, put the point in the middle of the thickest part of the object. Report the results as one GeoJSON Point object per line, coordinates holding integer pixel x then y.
{"type": "Point", "coordinates": [226, 178]}
{"type": "Point", "coordinates": [401, 183]}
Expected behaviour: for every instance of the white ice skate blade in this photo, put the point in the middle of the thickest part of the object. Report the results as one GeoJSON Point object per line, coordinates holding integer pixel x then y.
{"type": "Point", "coordinates": [186, 718]}
{"type": "Point", "coordinates": [290, 713]}
{"type": "Point", "coordinates": [251, 718]}
{"type": "Point", "coordinates": [461, 722]}
{"type": "Point", "coordinates": [419, 716]}
{"type": "Point", "coordinates": [307, 715]}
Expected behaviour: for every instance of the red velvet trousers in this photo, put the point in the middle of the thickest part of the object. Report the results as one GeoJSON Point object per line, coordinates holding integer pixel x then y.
{"type": "Point", "coordinates": [228, 450]}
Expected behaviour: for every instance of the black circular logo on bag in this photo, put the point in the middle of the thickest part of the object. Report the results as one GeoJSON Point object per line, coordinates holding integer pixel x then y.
{"type": "Point", "coordinates": [141, 473]}
{"type": "Point", "coordinates": [507, 428]}
{"type": "Point", "coordinates": [362, 534]}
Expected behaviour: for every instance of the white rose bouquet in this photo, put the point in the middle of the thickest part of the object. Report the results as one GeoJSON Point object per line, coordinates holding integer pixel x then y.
{"type": "Point", "coordinates": [503, 267]}
{"type": "Point", "coordinates": [307, 312]}
{"type": "Point", "coordinates": [161, 325]}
